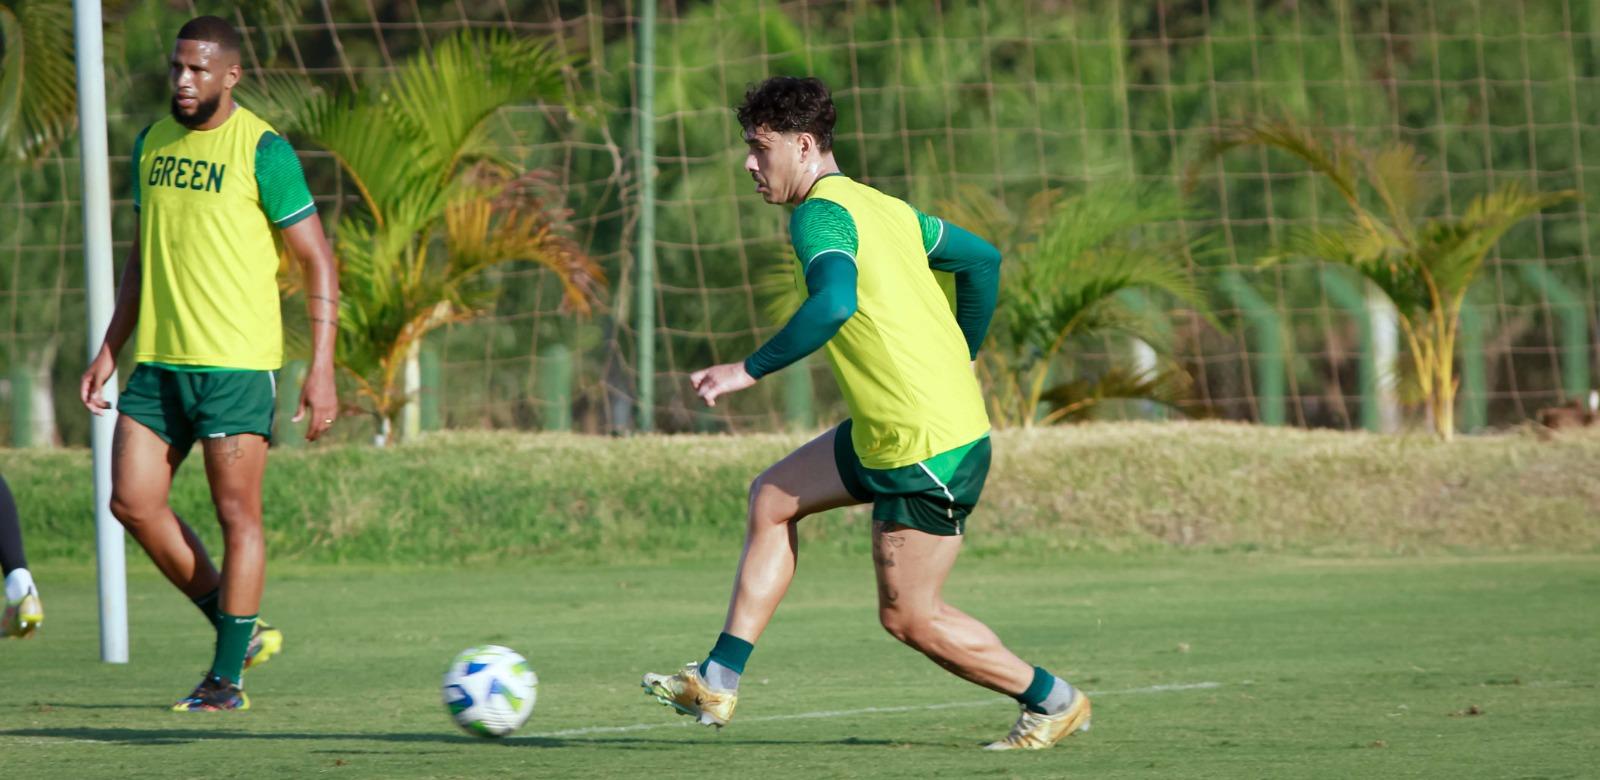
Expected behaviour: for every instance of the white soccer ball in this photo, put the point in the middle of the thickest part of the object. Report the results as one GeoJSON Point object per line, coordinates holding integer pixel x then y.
{"type": "Point", "coordinates": [490, 690]}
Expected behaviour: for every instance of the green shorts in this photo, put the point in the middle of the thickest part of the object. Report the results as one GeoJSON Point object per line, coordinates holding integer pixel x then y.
{"type": "Point", "coordinates": [182, 406]}
{"type": "Point", "coordinates": [934, 496]}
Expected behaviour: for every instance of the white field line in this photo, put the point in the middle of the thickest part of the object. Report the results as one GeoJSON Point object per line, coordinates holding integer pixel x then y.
{"type": "Point", "coordinates": [1171, 688]}
{"type": "Point", "coordinates": [1200, 686]}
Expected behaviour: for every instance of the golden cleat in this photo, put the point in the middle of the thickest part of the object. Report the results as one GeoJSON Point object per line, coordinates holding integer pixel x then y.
{"type": "Point", "coordinates": [1037, 732]}
{"type": "Point", "coordinates": [265, 642]}
{"type": "Point", "coordinates": [22, 618]}
{"type": "Point", "coordinates": [688, 693]}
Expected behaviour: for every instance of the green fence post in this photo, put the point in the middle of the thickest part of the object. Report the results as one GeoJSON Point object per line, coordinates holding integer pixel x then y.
{"type": "Point", "coordinates": [284, 432]}
{"type": "Point", "coordinates": [428, 394]}
{"type": "Point", "coordinates": [1472, 403]}
{"type": "Point", "coordinates": [1267, 328]}
{"type": "Point", "coordinates": [1574, 333]}
{"type": "Point", "coordinates": [798, 410]}
{"type": "Point", "coordinates": [555, 387]}
{"type": "Point", "coordinates": [21, 405]}
{"type": "Point", "coordinates": [1347, 296]}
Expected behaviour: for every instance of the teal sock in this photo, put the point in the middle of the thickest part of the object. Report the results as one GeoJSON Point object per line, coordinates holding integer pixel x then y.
{"type": "Point", "coordinates": [208, 605]}
{"type": "Point", "coordinates": [722, 668]}
{"type": "Point", "coordinates": [1047, 694]}
{"type": "Point", "coordinates": [233, 640]}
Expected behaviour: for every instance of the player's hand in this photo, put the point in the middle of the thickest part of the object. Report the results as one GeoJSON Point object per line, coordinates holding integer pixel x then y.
{"type": "Point", "coordinates": [321, 399]}
{"type": "Point", "coordinates": [709, 383]}
{"type": "Point", "coordinates": [94, 380]}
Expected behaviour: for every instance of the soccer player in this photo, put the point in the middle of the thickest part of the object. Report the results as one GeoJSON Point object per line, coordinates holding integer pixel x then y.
{"type": "Point", "coordinates": [23, 612]}
{"type": "Point", "coordinates": [916, 445]}
{"type": "Point", "coordinates": [215, 189]}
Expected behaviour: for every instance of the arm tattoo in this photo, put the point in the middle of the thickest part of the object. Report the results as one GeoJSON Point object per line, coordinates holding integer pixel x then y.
{"type": "Point", "coordinates": [325, 321]}
{"type": "Point", "coordinates": [321, 298]}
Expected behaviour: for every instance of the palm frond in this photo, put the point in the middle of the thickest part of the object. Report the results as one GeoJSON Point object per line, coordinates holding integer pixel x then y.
{"type": "Point", "coordinates": [1425, 269]}
{"type": "Point", "coordinates": [291, 103]}
{"type": "Point", "coordinates": [1046, 302]}
{"type": "Point", "coordinates": [444, 206]}
{"type": "Point", "coordinates": [1078, 399]}
{"type": "Point", "coordinates": [1112, 211]}
{"type": "Point", "coordinates": [981, 212]}
{"type": "Point", "coordinates": [38, 78]}
{"type": "Point", "coordinates": [1454, 250]}
{"type": "Point", "coordinates": [1333, 159]}
{"type": "Point", "coordinates": [1373, 253]}
{"type": "Point", "coordinates": [496, 221]}
{"type": "Point", "coordinates": [445, 98]}
{"type": "Point", "coordinates": [1396, 174]}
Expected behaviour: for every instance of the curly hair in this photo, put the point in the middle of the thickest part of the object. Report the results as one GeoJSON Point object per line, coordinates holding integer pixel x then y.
{"type": "Point", "coordinates": [212, 29]}
{"type": "Point", "coordinates": [787, 104]}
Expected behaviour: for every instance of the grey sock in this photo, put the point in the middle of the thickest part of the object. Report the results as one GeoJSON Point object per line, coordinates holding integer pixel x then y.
{"type": "Point", "coordinates": [1060, 698]}
{"type": "Point", "coordinates": [720, 677]}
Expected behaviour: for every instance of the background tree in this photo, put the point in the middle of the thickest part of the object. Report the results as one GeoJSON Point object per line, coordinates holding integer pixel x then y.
{"type": "Point", "coordinates": [441, 203]}
{"type": "Point", "coordinates": [1425, 265]}
{"type": "Point", "coordinates": [1071, 263]}
{"type": "Point", "coordinates": [38, 111]}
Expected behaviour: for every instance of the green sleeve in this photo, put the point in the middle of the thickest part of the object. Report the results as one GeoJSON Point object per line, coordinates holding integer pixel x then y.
{"type": "Point", "coordinates": [819, 226]}
{"type": "Point", "coordinates": [284, 195]}
{"type": "Point", "coordinates": [825, 242]}
{"type": "Point", "coordinates": [138, 152]}
{"type": "Point", "coordinates": [932, 231]}
{"type": "Point", "coordinates": [831, 302]}
{"type": "Point", "coordinates": [976, 266]}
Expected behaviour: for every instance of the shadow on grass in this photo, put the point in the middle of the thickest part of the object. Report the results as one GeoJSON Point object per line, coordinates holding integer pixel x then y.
{"type": "Point", "coordinates": [47, 706]}
{"type": "Point", "coordinates": [180, 736]}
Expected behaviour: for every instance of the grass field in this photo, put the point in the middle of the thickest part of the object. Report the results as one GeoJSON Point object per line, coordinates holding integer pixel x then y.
{"type": "Point", "coordinates": [1205, 666]}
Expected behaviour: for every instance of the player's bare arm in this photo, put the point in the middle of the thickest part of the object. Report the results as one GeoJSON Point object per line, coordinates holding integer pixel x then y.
{"type": "Point", "coordinates": [123, 319]}
{"type": "Point", "coordinates": [318, 396]}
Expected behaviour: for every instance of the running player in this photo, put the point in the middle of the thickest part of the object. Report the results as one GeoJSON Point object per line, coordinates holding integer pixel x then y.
{"type": "Point", "coordinates": [23, 612]}
{"type": "Point", "coordinates": [215, 189]}
{"type": "Point", "coordinates": [916, 445]}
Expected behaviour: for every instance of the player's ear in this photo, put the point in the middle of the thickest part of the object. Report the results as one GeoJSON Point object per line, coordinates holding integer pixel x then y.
{"type": "Point", "coordinates": [230, 79]}
{"type": "Point", "coordinates": [808, 147]}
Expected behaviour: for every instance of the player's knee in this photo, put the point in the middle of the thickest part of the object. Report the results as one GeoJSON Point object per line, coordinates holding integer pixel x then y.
{"type": "Point", "coordinates": [768, 503]}
{"type": "Point", "coordinates": [129, 512]}
{"type": "Point", "coordinates": [238, 516]}
{"type": "Point", "coordinates": [912, 628]}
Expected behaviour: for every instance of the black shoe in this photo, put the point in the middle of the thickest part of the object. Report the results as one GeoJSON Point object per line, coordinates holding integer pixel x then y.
{"type": "Point", "coordinates": [214, 694]}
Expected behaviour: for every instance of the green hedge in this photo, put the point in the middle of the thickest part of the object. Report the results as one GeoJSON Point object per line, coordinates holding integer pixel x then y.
{"type": "Point", "coordinates": [465, 497]}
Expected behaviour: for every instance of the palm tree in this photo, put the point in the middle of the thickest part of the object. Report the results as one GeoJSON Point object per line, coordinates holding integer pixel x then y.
{"type": "Point", "coordinates": [38, 111]}
{"type": "Point", "coordinates": [38, 79]}
{"type": "Point", "coordinates": [442, 205]}
{"type": "Point", "coordinates": [1424, 265]}
{"type": "Point", "coordinates": [1072, 265]}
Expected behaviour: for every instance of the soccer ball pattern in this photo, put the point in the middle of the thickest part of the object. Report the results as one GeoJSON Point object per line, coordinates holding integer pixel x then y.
{"type": "Point", "coordinates": [490, 690]}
